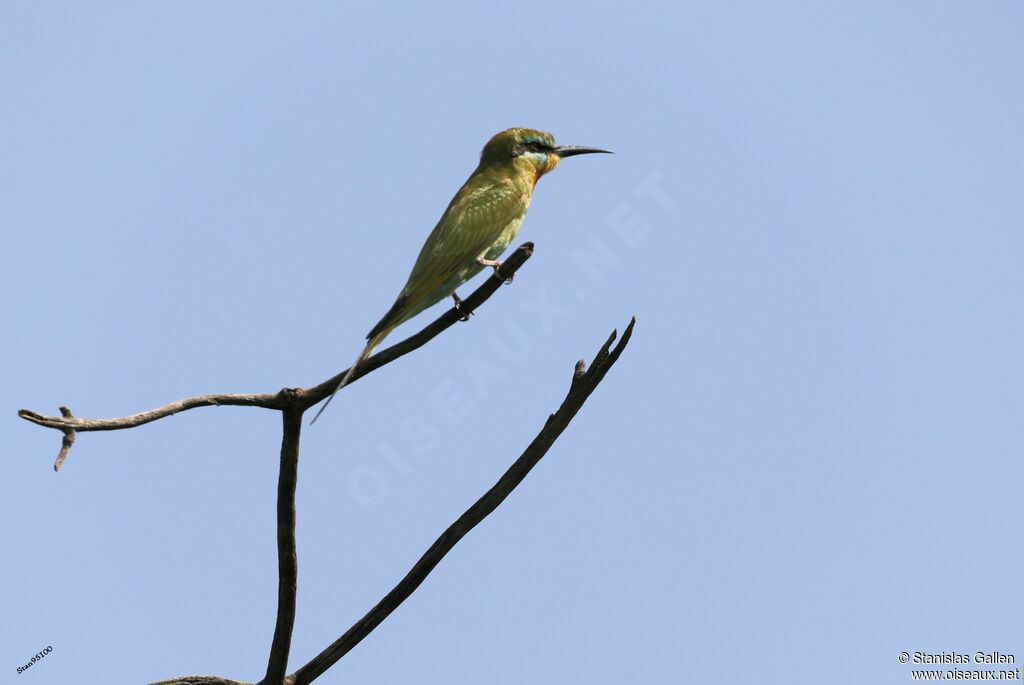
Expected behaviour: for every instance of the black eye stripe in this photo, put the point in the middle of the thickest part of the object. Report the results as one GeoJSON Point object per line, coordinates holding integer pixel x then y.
{"type": "Point", "coordinates": [531, 146]}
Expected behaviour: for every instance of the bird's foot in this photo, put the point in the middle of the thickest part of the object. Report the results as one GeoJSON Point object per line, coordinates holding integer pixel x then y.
{"type": "Point", "coordinates": [495, 264]}
{"type": "Point", "coordinates": [458, 307]}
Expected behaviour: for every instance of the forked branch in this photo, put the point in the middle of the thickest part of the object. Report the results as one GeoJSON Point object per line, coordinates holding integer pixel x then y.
{"type": "Point", "coordinates": [292, 403]}
{"type": "Point", "coordinates": [583, 383]}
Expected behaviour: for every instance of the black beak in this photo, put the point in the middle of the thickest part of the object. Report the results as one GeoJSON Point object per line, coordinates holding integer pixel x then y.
{"type": "Point", "coordinates": [572, 150]}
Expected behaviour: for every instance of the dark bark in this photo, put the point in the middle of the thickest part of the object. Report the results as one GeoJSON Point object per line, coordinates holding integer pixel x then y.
{"type": "Point", "coordinates": [287, 560]}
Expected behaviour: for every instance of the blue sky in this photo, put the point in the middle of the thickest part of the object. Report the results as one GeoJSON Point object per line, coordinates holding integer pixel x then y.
{"type": "Point", "coordinates": [807, 460]}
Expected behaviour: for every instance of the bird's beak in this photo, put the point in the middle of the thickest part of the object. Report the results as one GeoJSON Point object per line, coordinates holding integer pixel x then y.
{"type": "Point", "coordinates": [571, 150]}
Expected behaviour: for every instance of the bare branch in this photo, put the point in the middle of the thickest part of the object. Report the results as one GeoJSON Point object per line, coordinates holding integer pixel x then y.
{"type": "Point", "coordinates": [268, 401]}
{"type": "Point", "coordinates": [302, 398]}
{"type": "Point", "coordinates": [583, 383]}
{"type": "Point", "coordinates": [287, 561]}
{"type": "Point", "coordinates": [292, 403]}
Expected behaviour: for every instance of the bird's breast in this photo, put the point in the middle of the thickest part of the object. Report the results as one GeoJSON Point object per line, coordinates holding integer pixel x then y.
{"type": "Point", "coordinates": [505, 238]}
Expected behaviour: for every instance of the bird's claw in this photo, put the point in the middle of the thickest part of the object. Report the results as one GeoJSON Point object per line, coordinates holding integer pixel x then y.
{"type": "Point", "coordinates": [458, 307]}
{"type": "Point", "coordinates": [497, 269]}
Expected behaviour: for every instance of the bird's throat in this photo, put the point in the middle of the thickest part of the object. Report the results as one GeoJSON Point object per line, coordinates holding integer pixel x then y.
{"type": "Point", "coordinates": [532, 166]}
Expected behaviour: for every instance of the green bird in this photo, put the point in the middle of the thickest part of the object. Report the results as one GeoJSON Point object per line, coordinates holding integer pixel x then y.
{"type": "Point", "coordinates": [478, 225]}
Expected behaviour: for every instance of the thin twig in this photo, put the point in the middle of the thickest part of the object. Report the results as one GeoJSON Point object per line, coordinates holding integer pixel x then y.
{"type": "Point", "coordinates": [67, 442]}
{"type": "Point", "coordinates": [267, 401]}
{"type": "Point", "coordinates": [583, 383]}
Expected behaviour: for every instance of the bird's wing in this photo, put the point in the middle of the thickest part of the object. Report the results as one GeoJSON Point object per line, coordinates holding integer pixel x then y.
{"type": "Point", "coordinates": [472, 223]}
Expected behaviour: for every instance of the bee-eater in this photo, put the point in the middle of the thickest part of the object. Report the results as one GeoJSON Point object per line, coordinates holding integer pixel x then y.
{"type": "Point", "coordinates": [479, 224]}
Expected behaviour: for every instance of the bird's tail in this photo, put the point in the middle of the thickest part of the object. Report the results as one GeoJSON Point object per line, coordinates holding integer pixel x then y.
{"type": "Point", "coordinates": [371, 345]}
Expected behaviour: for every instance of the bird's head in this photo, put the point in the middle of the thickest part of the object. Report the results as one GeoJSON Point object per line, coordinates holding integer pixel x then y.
{"type": "Point", "coordinates": [529, 150]}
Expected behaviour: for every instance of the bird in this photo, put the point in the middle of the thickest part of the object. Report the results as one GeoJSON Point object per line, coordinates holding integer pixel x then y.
{"type": "Point", "coordinates": [477, 227]}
